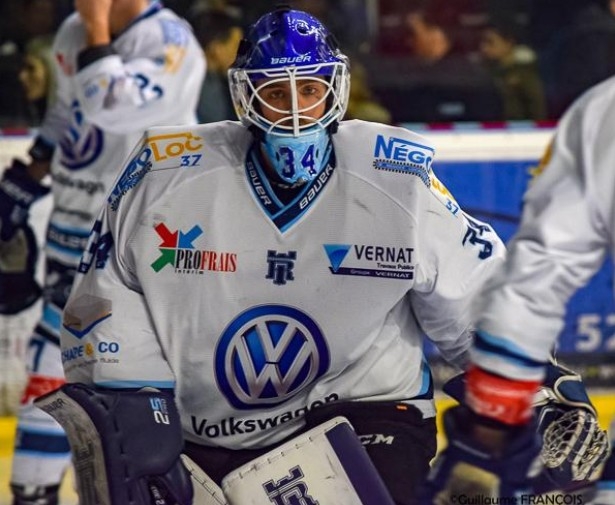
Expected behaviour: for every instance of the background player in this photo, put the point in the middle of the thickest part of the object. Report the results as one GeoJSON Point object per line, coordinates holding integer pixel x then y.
{"type": "Point", "coordinates": [565, 235]}
{"type": "Point", "coordinates": [122, 66]}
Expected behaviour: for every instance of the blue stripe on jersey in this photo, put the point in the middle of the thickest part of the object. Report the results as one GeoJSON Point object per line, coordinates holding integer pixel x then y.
{"type": "Point", "coordinates": [52, 316]}
{"type": "Point", "coordinates": [135, 384]}
{"type": "Point", "coordinates": [46, 335]}
{"type": "Point", "coordinates": [51, 444]}
{"type": "Point", "coordinates": [70, 241]}
{"type": "Point", "coordinates": [426, 391]}
{"type": "Point", "coordinates": [491, 344]}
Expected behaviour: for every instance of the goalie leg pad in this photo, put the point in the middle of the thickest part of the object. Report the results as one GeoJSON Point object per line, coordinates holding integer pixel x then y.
{"type": "Point", "coordinates": [326, 464]}
{"type": "Point", "coordinates": [206, 491]}
{"type": "Point", "coordinates": [126, 445]}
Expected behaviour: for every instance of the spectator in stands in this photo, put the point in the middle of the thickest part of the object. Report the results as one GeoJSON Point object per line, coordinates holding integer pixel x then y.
{"type": "Point", "coordinates": [36, 77]}
{"type": "Point", "coordinates": [513, 67]}
{"type": "Point", "coordinates": [219, 33]}
{"type": "Point", "coordinates": [580, 53]}
{"type": "Point", "coordinates": [25, 45]}
{"type": "Point", "coordinates": [361, 102]}
{"type": "Point", "coordinates": [447, 85]}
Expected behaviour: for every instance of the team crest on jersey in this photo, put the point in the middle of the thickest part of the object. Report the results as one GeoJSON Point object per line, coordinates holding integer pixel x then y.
{"type": "Point", "coordinates": [394, 154]}
{"type": "Point", "coordinates": [280, 266]}
{"type": "Point", "coordinates": [268, 354]}
{"type": "Point", "coordinates": [177, 251]}
{"type": "Point", "coordinates": [365, 260]}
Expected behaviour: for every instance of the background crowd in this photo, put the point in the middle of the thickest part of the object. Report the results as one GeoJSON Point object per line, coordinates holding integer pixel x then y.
{"type": "Point", "coordinates": [413, 60]}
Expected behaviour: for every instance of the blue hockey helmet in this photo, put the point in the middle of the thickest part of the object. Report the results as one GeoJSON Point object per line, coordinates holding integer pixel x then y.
{"type": "Point", "coordinates": [290, 46]}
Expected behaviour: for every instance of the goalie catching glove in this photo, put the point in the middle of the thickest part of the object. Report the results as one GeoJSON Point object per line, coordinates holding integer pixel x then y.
{"type": "Point", "coordinates": [574, 446]}
{"type": "Point", "coordinates": [126, 446]}
{"type": "Point", "coordinates": [566, 436]}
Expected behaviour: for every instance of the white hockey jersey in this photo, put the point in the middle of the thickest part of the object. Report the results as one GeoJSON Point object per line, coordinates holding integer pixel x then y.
{"type": "Point", "coordinates": [567, 227]}
{"type": "Point", "coordinates": [199, 278]}
{"type": "Point", "coordinates": [101, 111]}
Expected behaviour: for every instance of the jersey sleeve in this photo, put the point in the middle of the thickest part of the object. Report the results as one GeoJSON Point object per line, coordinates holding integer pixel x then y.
{"type": "Point", "coordinates": [108, 337]}
{"type": "Point", "coordinates": [462, 254]}
{"type": "Point", "coordinates": [57, 115]}
{"type": "Point", "coordinates": [124, 94]}
{"type": "Point", "coordinates": [561, 242]}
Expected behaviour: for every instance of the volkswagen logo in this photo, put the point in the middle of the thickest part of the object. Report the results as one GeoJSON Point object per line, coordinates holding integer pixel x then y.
{"type": "Point", "coordinates": [267, 354]}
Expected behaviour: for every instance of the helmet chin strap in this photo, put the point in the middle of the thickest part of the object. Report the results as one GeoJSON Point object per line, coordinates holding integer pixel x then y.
{"type": "Point", "coordinates": [297, 159]}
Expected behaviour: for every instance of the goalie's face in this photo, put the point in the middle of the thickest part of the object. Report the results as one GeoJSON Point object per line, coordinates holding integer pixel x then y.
{"type": "Point", "coordinates": [283, 103]}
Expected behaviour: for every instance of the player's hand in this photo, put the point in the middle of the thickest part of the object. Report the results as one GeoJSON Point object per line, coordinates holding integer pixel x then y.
{"type": "Point", "coordinates": [96, 18]}
{"type": "Point", "coordinates": [18, 191]}
{"type": "Point", "coordinates": [482, 461]}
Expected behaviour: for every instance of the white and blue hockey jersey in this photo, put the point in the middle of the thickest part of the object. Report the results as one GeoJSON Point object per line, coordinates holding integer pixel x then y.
{"type": "Point", "coordinates": [100, 112]}
{"type": "Point", "coordinates": [566, 231]}
{"type": "Point", "coordinates": [199, 278]}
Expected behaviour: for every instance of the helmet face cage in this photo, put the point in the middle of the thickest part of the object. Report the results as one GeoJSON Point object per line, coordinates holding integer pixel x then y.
{"type": "Point", "coordinates": [247, 87]}
{"type": "Point", "coordinates": [288, 46]}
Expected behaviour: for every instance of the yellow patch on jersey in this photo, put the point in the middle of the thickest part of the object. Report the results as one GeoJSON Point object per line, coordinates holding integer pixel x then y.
{"type": "Point", "coordinates": [173, 58]}
{"type": "Point", "coordinates": [437, 185]}
{"type": "Point", "coordinates": [173, 145]}
{"type": "Point", "coordinates": [544, 161]}
{"type": "Point", "coordinates": [442, 193]}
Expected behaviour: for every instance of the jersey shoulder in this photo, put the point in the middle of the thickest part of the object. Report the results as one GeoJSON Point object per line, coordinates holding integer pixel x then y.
{"type": "Point", "coordinates": [375, 148]}
{"type": "Point", "coordinates": [161, 34]}
{"type": "Point", "coordinates": [392, 158]}
{"type": "Point", "coordinates": [68, 41]}
{"type": "Point", "coordinates": [177, 154]}
{"type": "Point", "coordinates": [221, 143]}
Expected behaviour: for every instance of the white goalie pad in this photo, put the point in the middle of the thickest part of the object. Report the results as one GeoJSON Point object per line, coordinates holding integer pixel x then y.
{"type": "Point", "coordinates": [325, 465]}
{"type": "Point", "coordinates": [206, 491]}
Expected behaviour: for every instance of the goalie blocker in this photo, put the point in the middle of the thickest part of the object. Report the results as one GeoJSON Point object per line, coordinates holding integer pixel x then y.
{"type": "Point", "coordinates": [111, 434]}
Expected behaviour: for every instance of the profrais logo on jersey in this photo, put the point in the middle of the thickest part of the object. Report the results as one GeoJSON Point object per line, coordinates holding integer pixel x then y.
{"type": "Point", "coordinates": [394, 154]}
{"type": "Point", "coordinates": [177, 250]}
{"type": "Point", "coordinates": [365, 260]}
{"type": "Point", "coordinates": [268, 354]}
